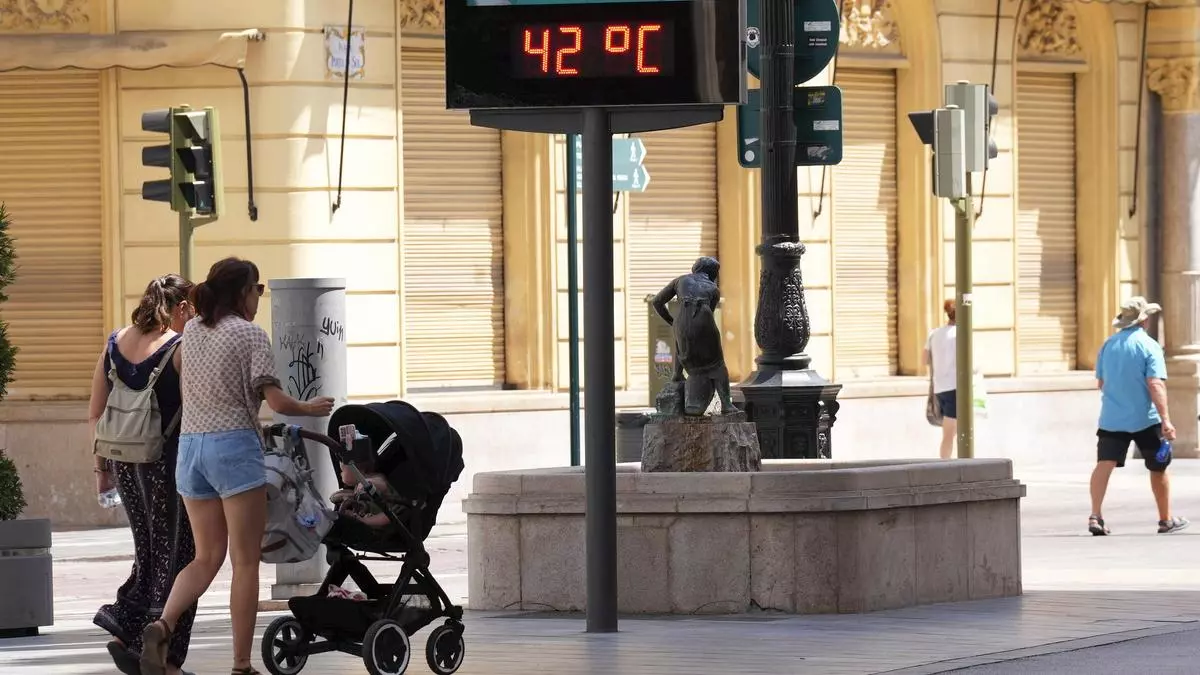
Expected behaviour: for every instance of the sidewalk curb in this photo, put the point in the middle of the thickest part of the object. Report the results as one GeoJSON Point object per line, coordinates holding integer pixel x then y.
{"type": "Point", "coordinates": [954, 665]}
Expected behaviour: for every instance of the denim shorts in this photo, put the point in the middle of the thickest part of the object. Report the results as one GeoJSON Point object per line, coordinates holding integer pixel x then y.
{"type": "Point", "coordinates": [219, 464]}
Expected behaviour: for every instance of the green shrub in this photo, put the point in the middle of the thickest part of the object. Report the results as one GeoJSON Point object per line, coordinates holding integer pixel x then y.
{"type": "Point", "coordinates": [8, 273]}
{"type": "Point", "coordinates": [12, 498]}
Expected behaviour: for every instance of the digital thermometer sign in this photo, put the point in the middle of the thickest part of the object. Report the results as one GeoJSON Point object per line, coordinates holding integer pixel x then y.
{"type": "Point", "coordinates": [594, 49]}
{"type": "Point", "coordinates": [548, 53]}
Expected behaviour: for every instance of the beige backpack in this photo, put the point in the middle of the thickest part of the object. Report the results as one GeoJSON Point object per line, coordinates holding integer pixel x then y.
{"type": "Point", "coordinates": [130, 429]}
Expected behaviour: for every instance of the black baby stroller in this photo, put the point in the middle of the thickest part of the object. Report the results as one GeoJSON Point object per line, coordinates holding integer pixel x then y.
{"type": "Point", "coordinates": [421, 457]}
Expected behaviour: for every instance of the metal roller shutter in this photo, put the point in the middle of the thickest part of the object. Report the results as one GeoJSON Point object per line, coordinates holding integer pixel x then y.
{"type": "Point", "coordinates": [50, 158]}
{"type": "Point", "coordinates": [1046, 282]}
{"type": "Point", "coordinates": [670, 224]}
{"type": "Point", "coordinates": [453, 239]}
{"type": "Point", "coordinates": [864, 228]}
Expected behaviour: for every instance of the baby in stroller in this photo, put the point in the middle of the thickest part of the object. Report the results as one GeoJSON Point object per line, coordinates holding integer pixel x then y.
{"type": "Point", "coordinates": [352, 501]}
{"type": "Point", "coordinates": [396, 471]}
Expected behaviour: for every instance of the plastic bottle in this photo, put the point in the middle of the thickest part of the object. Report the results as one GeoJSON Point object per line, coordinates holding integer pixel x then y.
{"type": "Point", "coordinates": [110, 499]}
{"type": "Point", "coordinates": [1164, 452]}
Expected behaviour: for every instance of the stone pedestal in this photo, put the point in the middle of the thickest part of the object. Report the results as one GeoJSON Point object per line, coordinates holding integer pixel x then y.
{"type": "Point", "coordinates": [716, 443]}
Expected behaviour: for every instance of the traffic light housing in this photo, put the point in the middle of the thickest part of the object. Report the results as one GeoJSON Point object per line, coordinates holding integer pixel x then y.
{"type": "Point", "coordinates": [944, 130]}
{"type": "Point", "coordinates": [193, 157]}
{"type": "Point", "coordinates": [979, 106]}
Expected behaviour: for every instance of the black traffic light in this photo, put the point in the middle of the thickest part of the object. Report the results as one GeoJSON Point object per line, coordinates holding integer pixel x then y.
{"type": "Point", "coordinates": [192, 156]}
{"type": "Point", "coordinates": [161, 156]}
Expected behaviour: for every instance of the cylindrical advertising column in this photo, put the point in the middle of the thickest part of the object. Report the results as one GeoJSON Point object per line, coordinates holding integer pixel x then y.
{"type": "Point", "coordinates": [308, 333]}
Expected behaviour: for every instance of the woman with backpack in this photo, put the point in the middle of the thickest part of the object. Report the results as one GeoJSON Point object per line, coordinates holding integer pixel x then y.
{"type": "Point", "coordinates": [145, 356]}
{"type": "Point", "coordinates": [228, 370]}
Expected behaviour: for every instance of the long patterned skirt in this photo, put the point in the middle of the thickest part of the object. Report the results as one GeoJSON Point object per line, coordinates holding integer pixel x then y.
{"type": "Point", "coordinates": [162, 546]}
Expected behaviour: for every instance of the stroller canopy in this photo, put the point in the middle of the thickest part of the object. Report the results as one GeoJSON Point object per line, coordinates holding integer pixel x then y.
{"type": "Point", "coordinates": [424, 459]}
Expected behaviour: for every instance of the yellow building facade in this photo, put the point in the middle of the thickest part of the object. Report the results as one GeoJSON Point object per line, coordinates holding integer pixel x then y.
{"type": "Point", "coordinates": [453, 238]}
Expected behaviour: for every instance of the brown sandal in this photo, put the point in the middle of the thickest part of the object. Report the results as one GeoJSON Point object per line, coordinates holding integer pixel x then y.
{"type": "Point", "coordinates": [156, 639]}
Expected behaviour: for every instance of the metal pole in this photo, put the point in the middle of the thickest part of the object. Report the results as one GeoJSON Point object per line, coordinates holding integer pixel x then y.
{"type": "Point", "coordinates": [186, 247]}
{"type": "Point", "coordinates": [600, 369]}
{"type": "Point", "coordinates": [780, 218]}
{"type": "Point", "coordinates": [964, 226]}
{"type": "Point", "coordinates": [573, 294]}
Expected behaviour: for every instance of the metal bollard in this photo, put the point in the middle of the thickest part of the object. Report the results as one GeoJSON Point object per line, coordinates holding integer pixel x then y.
{"type": "Point", "coordinates": [308, 334]}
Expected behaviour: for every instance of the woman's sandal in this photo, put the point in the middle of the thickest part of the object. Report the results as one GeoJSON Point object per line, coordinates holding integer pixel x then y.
{"type": "Point", "coordinates": [155, 644]}
{"type": "Point", "coordinates": [126, 660]}
{"type": "Point", "coordinates": [248, 670]}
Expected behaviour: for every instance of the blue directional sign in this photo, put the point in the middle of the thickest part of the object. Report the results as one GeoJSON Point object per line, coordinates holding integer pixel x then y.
{"type": "Point", "coordinates": [817, 114]}
{"type": "Point", "coordinates": [629, 174]}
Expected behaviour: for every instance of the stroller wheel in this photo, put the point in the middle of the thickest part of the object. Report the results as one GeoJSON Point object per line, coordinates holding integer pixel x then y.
{"type": "Point", "coordinates": [445, 649]}
{"type": "Point", "coordinates": [386, 649]}
{"type": "Point", "coordinates": [280, 642]}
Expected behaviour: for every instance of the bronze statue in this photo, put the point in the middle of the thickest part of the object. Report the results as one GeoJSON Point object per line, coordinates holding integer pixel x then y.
{"type": "Point", "coordinates": [697, 342]}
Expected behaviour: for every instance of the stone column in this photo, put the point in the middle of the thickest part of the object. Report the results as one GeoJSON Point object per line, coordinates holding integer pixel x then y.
{"type": "Point", "coordinates": [1176, 80]}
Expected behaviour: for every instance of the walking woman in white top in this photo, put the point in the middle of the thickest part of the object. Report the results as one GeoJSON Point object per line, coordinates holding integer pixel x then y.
{"type": "Point", "coordinates": [941, 355]}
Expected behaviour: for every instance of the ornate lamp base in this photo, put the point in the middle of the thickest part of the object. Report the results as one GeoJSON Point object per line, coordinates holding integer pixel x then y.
{"type": "Point", "coordinates": [794, 411]}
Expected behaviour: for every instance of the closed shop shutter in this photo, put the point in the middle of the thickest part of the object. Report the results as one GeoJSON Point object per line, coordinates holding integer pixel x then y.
{"type": "Point", "coordinates": [453, 239]}
{"type": "Point", "coordinates": [864, 228]}
{"type": "Point", "coordinates": [50, 163]}
{"type": "Point", "coordinates": [670, 225]}
{"type": "Point", "coordinates": [1046, 285]}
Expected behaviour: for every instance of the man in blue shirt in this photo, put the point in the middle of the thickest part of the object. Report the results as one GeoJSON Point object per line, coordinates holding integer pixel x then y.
{"type": "Point", "coordinates": [1131, 371]}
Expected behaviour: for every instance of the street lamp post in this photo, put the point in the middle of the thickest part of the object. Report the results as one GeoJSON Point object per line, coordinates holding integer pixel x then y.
{"type": "Point", "coordinates": [793, 406]}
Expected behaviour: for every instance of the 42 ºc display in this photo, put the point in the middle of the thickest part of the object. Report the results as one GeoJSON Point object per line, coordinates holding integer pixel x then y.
{"type": "Point", "coordinates": [594, 49]}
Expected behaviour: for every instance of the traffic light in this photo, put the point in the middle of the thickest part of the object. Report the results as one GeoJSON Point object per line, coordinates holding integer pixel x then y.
{"type": "Point", "coordinates": [193, 156]}
{"type": "Point", "coordinates": [163, 156]}
{"type": "Point", "coordinates": [979, 106]}
{"type": "Point", "coordinates": [944, 131]}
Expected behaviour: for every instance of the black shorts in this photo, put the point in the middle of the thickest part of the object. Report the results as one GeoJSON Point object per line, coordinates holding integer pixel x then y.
{"type": "Point", "coordinates": [1113, 446]}
{"type": "Point", "coordinates": [948, 402]}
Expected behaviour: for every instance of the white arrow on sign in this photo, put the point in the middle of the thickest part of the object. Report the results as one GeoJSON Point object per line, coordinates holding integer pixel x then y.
{"type": "Point", "coordinates": [637, 151]}
{"type": "Point", "coordinates": [750, 141]}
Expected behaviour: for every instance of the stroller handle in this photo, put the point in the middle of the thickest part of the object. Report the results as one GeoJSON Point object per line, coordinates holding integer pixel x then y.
{"type": "Point", "coordinates": [279, 430]}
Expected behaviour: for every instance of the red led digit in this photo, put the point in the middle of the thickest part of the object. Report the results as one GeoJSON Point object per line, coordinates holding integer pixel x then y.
{"type": "Point", "coordinates": [643, 30]}
{"type": "Point", "coordinates": [611, 34]}
{"type": "Point", "coordinates": [543, 51]}
{"type": "Point", "coordinates": [576, 45]}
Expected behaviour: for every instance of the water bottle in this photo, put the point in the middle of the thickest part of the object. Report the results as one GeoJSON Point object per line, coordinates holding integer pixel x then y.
{"type": "Point", "coordinates": [110, 499]}
{"type": "Point", "coordinates": [1164, 452]}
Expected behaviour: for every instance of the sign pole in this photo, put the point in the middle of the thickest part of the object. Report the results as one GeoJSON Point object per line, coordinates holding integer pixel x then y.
{"type": "Point", "coordinates": [600, 414]}
{"type": "Point", "coordinates": [964, 226]}
{"type": "Point", "coordinates": [186, 246]}
{"type": "Point", "coordinates": [573, 294]}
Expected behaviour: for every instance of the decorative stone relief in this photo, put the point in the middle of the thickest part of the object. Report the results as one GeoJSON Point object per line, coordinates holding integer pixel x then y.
{"type": "Point", "coordinates": [868, 24]}
{"type": "Point", "coordinates": [1048, 28]}
{"type": "Point", "coordinates": [44, 15]}
{"type": "Point", "coordinates": [423, 14]}
{"type": "Point", "coordinates": [1175, 80]}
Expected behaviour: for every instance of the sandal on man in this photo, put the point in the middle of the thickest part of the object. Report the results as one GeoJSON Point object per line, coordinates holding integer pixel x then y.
{"type": "Point", "coordinates": [1096, 526]}
{"type": "Point", "coordinates": [1174, 524]}
{"type": "Point", "coordinates": [155, 644]}
{"type": "Point", "coordinates": [248, 670]}
{"type": "Point", "coordinates": [126, 660]}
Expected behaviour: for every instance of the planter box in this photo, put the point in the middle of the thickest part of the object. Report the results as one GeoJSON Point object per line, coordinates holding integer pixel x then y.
{"type": "Point", "coordinates": [26, 577]}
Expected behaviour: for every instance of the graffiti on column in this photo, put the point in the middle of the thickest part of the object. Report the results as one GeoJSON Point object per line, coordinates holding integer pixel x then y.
{"type": "Point", "coordinates": [303, 379]}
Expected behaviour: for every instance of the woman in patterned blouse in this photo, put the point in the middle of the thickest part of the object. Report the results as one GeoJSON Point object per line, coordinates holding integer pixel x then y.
{"type": "Point", "coordinates": [228, 370]}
